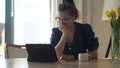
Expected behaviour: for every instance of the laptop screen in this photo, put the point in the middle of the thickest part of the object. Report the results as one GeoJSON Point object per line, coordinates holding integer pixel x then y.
{"type": "Point", "coordinates": [41, 53]}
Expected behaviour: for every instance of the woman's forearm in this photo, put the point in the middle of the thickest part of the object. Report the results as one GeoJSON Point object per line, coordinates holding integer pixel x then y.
{"type": "Point", "coordinates": [60, 46]}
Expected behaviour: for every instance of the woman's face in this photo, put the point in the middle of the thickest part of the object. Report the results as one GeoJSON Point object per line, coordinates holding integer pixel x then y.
{"type": "Point", "coordinates": [65, 17]}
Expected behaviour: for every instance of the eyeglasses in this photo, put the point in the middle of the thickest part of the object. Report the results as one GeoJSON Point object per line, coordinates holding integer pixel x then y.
{"type": "Point", "coordinates": [63, 20]}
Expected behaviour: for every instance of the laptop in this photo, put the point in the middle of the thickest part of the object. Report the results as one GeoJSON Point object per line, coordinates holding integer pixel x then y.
{"type": "Point", "coordinates": [41, 53]}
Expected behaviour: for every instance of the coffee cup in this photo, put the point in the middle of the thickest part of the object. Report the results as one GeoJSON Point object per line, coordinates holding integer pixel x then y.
{"type": "Point", "coordinates": [83, 56]}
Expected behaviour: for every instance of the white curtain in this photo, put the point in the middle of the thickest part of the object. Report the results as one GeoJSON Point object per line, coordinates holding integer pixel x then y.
{"type": "Point", "coordinates": [31, 21]}
{"type": "Point", "coordinates": [78, 4]}
{"type": "Point", "coordinates": [87, 11]}
{"type": "Point", "coordinates": [54, 7]}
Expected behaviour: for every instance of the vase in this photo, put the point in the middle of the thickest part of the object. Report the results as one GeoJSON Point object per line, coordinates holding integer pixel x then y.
{"type": "Point", "coordinates": [115, 45]}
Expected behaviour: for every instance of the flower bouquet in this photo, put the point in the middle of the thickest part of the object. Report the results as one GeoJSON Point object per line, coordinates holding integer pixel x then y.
{"type": "Point", "coordinates": [115, 25]}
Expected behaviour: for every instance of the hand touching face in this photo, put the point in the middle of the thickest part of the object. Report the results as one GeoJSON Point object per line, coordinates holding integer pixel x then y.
{"type": "Point", "coordinates": [64, 20]}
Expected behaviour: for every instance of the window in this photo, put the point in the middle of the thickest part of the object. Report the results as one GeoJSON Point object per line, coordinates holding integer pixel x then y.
{"type": "Point", "coordinates": [31, 21]}
{"type": "Point", "coordinates": [2, 22]}
{"type": "Point", "coordinates": [2, 11]}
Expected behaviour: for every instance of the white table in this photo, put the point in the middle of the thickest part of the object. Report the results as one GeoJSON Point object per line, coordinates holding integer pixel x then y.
{"type": "Point", "coordinates": [22, 63]}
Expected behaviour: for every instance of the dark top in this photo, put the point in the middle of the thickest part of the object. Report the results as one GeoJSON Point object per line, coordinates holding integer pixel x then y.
{"type": "Point", "coordinates": [83, 40]}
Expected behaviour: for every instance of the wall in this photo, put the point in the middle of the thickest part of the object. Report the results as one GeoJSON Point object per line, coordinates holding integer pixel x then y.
{"type": "Point", "coordinates": [102, 29]}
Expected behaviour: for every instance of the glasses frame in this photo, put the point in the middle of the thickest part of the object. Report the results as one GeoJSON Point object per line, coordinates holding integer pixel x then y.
{"type": "Point", "coordinates": [63, 20]}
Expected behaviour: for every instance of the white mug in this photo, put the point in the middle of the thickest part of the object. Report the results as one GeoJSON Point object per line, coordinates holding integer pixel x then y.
{"type": "Point", "coordinates": [83, 56]}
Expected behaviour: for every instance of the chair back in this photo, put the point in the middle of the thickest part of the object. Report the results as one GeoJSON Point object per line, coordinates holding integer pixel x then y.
{"type": "Point", "coordinates": [15, 51]}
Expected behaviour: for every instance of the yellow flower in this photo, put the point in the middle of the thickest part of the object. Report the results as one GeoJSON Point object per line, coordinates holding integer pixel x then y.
{"type": "Point", "coordinates": [118, 10]}
{"type": "Point", "coordinates": [113, 14]}
{"type": "Point", "coordinates": [108, 14]}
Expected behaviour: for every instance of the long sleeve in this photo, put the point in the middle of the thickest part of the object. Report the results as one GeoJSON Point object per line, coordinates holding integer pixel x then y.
{"type": "Point", "coordinates": [91, 40]}
{"type": "Point", "coordinates": [55, 36]}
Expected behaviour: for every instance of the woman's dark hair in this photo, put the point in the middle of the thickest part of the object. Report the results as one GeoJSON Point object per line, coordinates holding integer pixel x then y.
{"type": "Point", "coordinates": [68, 5]}
{"type": "Point", "coordinates": [69, 1]}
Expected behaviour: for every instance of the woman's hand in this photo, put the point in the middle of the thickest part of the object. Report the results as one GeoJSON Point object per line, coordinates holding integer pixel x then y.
{"type": "Point", "coordinates": [63, 27]}
{"type": "Point", "coordinates": [67, 58]}
{"type": "Point", "coordinates": [93, 54]}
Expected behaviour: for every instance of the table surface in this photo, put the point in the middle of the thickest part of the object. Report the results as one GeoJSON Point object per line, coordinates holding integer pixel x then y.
{"type": "Point", "coordinates": [22, 63]}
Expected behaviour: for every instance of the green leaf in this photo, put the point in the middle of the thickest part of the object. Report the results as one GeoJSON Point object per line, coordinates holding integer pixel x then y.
{"type": "Point", "coordinates": [112, 23]}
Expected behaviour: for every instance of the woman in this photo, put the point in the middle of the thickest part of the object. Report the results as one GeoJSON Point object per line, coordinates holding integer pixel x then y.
{"type": "Point", "coordinates": [71, 38]}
